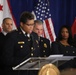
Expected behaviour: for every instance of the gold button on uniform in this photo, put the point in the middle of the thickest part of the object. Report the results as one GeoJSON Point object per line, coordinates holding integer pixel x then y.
{"type": "Point", "coordinates": [66, 51]}
{"type": "Point", "coordinates": [38, 46]}
{"type": "Point", "coordinates": [41, 40]}
{"type": "Point", "coordinates": [31, 54]}
{"type": "Point", "coordinates": [32, 48]}
{"type": "Point", "coordinates": [28, 39]}
{"type": "Point", "coordinates": [43, 50]}
{"type": "Point", "coordinates": [21, 46]}
{"type": "Point", "coordinates": [73, 51]}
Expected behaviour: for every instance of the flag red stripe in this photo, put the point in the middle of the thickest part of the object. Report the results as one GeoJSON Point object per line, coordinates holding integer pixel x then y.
{"type": "Point", "coordinates": [11, 11]}
{"type": "Point", "coordinates": [49, 30]}
{"type": "Point", "coordinates": [73, 28]}
{"type": "Point", "coordinates": [0, 29]}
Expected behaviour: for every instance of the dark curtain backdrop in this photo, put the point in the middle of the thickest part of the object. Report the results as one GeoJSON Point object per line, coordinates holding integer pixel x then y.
{"type": "Point", "coordinates": [63, 12]}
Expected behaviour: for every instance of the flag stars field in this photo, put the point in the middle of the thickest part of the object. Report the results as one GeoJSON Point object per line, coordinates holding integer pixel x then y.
{"type": "Point", "coordinates": [42, 12]}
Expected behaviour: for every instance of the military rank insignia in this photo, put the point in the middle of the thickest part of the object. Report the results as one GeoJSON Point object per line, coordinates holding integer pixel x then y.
{"type": "Point", "coordinates": [37, 41]}
{"type": "Point", "coordinates": [21, 42]}
{"type": "Point", "coordinates": [45, 45]}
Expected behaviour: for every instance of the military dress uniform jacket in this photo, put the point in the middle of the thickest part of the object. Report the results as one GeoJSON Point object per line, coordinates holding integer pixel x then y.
{"type": "Point", "coordinates": [19, 47]}
{"type": "Point", "coordinates": [45, 49]}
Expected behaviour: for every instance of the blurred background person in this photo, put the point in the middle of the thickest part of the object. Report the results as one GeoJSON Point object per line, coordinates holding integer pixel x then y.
{"type": "Point", "coordinates": [43, 42]}
{"type": "Point", "coordinates": [64, 45]}
{"type": "Point", "coordinates": [38, 28]}
{"type": "Point", "coordinates": [7, 26]}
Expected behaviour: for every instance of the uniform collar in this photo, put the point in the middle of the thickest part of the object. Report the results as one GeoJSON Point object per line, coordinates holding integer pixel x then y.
{"type": "Point", "coordinates": [28, 35]}
{"type": "Point", "coordinates": [5, 33]}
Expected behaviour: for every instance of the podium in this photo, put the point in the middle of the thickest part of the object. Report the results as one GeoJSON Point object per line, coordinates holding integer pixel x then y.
{"type": "Point", "coordinates": [35, 63]}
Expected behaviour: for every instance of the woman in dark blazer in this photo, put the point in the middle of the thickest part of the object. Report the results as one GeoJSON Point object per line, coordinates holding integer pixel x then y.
{"type": "Point", "coordinates": [64, 43]}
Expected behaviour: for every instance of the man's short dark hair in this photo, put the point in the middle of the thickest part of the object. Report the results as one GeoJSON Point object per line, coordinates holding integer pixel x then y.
{"type": "Point", "coordinates": [26, 16]}
{"type": "Point", "coordinates": [6, 19]}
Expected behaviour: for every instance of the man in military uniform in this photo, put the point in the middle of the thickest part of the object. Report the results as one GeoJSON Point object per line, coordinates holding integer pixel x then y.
{"type": "Point", "coordinates": [43, 42]}
{"type": "Point", "coordinates": [7, 26]}
{"type": "Point", "coordinates": [21, 43]}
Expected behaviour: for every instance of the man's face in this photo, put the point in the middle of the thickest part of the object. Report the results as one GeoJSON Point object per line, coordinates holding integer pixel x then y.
{"type": "Point", "coordinates": [38, 28]}
{"type": "Point", "coordinates": [7, 25]}
{"type": "Point", "coordinates": [28, 26]}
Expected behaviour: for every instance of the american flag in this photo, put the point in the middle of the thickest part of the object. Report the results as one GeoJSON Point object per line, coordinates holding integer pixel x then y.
{"type": "Point", "coordinates": [42, 12]}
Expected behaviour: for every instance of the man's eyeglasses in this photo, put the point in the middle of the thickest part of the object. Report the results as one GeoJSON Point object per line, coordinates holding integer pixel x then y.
{"type": "Point", "coordinates": [29, 24]}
